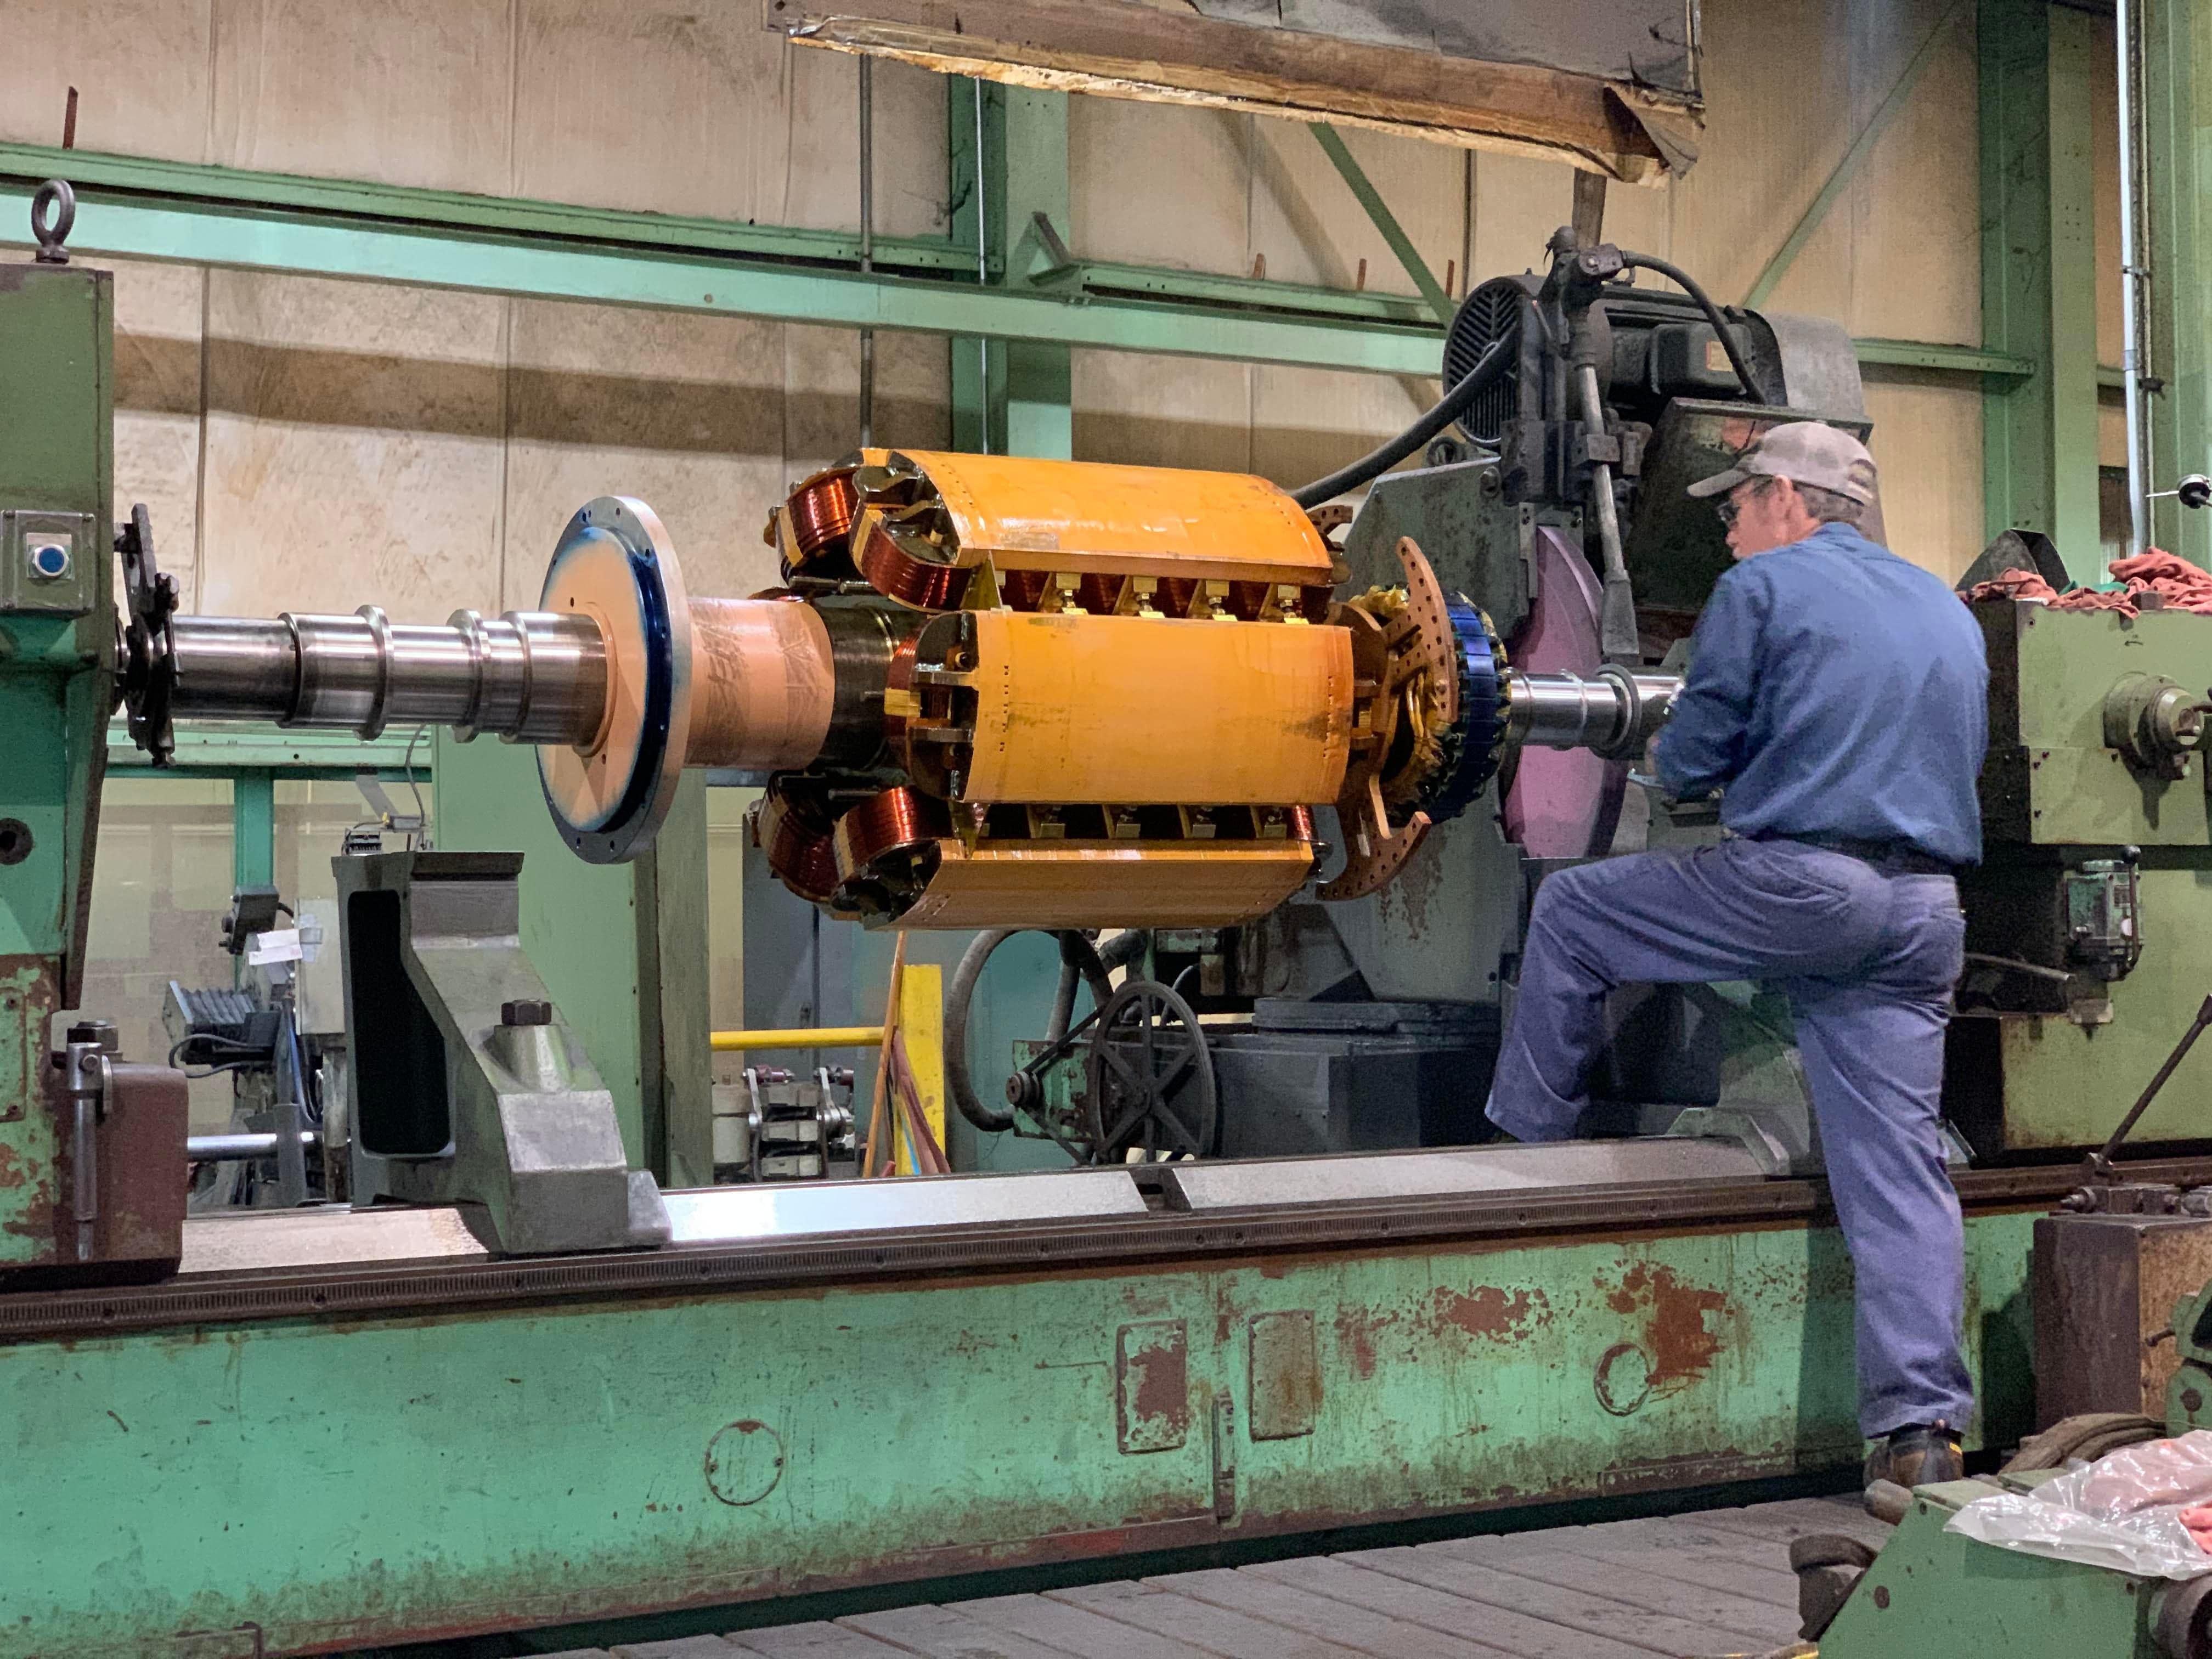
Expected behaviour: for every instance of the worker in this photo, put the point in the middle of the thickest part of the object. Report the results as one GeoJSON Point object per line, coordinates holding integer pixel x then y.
{"type": "Point", "coordinates": [1837, 699]}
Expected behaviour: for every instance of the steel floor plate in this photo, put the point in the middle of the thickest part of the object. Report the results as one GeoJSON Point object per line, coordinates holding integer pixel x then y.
{"type": "Point", "coordinates": [1679, 1586]}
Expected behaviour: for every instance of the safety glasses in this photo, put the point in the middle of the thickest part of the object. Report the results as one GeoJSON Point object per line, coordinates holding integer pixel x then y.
{"type": "Point", "coordinates": [1728, 506]}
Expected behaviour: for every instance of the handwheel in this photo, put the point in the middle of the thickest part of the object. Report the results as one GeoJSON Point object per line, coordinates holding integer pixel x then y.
{"type": "Point", "coordinates": [1150, 1078]}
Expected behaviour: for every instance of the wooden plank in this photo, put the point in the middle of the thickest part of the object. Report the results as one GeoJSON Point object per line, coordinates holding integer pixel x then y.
{"type": "Point", "coordinates": [1741, 1566]}
{"type": "Point", "coordinates": [1552, 1558]}
{"type": "Point", "coordinates": [1215, 1630]}
{"type": "Point", "coordinates": [946, 1633]}
{"type": "Point", "coordinates": [1597, 1615]}
{"type": "Point", "coordinates": [1300, 1609]}
{"type": "Point", "coordinates": [816, 1640]}
{"type": "Point", "coordinates": [1524, 1634]}
{"type": "Point", "coordinates": [1073, 1630]}
{"type": "Point", "coordinates": [1130, 51]}
{"type": "Point", "coordinates": [1794, 1518]}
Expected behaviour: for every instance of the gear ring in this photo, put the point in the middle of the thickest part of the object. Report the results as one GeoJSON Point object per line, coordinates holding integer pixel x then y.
{"type": "Point", "coordinates": [1475, 745]}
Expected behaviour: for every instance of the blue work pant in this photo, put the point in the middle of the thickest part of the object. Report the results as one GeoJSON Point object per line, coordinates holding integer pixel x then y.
{"type": "Point", "coordinates": [1869, 960]}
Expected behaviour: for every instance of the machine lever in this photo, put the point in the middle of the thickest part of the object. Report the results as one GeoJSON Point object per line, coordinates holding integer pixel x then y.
{"type": "Point", "coordinates": [2100, 1162]}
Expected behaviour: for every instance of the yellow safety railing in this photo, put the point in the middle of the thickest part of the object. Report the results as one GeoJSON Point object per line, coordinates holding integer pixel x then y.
{"type": "Point", "coordinates": [820, 1036]}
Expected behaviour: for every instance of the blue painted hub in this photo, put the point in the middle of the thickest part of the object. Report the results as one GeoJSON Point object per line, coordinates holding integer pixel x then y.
{"type": "Point", "coordinates": [1470, 747]}
{"type": "Point", "coordinates": [610, 842]}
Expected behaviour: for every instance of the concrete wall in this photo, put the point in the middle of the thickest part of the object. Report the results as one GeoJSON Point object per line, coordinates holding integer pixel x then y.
{"type": "Point", "coordinates": [317, 444]}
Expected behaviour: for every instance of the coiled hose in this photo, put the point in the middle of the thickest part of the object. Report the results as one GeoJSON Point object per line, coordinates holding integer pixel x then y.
{"type": "Point", "coordinates": [1081, 964]}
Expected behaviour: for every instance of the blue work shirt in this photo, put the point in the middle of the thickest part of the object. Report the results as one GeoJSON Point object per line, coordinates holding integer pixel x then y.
{"type": "Point", "coordinates": [1836, 689]}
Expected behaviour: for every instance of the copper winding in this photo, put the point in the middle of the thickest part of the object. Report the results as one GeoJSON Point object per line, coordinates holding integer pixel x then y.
{"type": "Point", "coordinates": [822, 514]}
{"type": "Point", "coordinates": [896, 820]}
{"type": "Point", "coordinates": [893, 571]}
{"type": "Point", "coordinates": [764, 686]}
{"type": "Point", "coordinates": [795, 832]}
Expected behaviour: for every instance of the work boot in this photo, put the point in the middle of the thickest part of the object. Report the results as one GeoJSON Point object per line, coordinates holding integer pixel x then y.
{"type": "Point", "coordinates": [1917, 1457]}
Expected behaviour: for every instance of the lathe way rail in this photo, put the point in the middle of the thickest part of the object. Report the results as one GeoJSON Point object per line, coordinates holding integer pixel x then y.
{"type": "Point", "coordinates": [1164, 1237]}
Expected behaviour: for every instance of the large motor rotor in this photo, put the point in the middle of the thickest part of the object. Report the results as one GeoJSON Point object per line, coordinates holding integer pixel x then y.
{"type": "Point", "coordinates": [992, 691]}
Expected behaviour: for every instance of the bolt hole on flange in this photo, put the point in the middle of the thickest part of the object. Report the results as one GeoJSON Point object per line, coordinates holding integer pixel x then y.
{"type": "Point", "coordinates": [15, 840]}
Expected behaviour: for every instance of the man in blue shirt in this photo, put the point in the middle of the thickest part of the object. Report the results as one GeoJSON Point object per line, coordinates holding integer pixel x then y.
{"type": "Point", "coordinates": [1838, 698]}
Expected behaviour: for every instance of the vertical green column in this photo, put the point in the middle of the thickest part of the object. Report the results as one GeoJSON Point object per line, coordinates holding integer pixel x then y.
{"type": "Point", "coordinates": [56, 674]}
{"type": "Point", "coordinates": [253, 828]}
{"type": "Point", "coordinates": [1039, 384]}
{"type": "Point", "coordinates": [977, 133]}
{"type": "Point", "coordinates": [2177, 119]}
{"type": "Point", "coordinates": [1009, 161]}
{"type": "Point", "coordinates": [2039, 274]}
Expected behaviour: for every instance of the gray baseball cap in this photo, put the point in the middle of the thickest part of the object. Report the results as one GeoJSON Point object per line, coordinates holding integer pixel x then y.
{"type": "Point", "coordinates": [1803, 451]}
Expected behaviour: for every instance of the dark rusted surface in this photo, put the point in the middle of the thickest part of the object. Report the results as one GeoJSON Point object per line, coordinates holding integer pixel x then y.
{"type": "Point", "coordinates": [1487, 1311]}
{"type": "Point", "coordinates": [1152, 1385]}
{"type": "Point", "coordinates": [1164, 1239]}
{"type": "Point", "coordinates": [1682, 1324]}
{"type": "Point", "coordinates": [142, 1158]}
{"type": "Point", "coordinates": [2105, 1289]}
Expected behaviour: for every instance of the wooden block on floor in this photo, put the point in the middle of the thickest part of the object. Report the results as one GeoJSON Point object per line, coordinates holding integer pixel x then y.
{"type": "Point", "coordinates": [1534, 1555]}
{"type": "Point", "coordinates": [1299, 1609]}
{"type": "Point", "coordinates": [1509, 1630]}
{"type": "Point", "coordinates": [1074, 1630]}
{"type": "Point", "coordinates": [1217, 1630]}
{"type": "Point", "coordinates": [947, 1633]}
{"type": "Point", "coordinates": [816, 1640]}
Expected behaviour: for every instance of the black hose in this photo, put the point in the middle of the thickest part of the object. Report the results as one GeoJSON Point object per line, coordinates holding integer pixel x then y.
{"type": "Point", "coordinates": [1079, 964]}
{"type": "Point", "coordinates": [1683, 280]}
{"type": "Point", "coordinates": [1484, 374]}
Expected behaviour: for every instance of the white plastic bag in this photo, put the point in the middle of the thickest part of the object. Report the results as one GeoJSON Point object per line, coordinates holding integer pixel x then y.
{"type": "Point", "coordinates": [2122, 1511]}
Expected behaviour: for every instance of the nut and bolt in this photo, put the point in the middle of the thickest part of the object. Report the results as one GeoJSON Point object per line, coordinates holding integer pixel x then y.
{"type": "Point", "coordinates": [525, 1011]}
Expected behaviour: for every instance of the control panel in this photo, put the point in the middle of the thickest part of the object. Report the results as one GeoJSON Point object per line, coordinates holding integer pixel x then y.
{"type": "Point", "coordinates": [50, 563]}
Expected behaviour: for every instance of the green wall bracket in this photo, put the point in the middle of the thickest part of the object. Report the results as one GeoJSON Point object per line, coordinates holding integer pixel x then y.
{"type": "Point", "coordinates": [1362, 187]}
{"type": "Point", "coordinates": [1832, 191]}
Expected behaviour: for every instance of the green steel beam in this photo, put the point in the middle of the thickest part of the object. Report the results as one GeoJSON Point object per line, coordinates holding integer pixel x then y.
{"type": "Point", "coordinates": [219, 748]}
{"type": "Point", "coordinates": [1103, 276]}
{"type": "Point", "coordinates": [2039, 275]}
{"type": "Point", "coordinates": [1845, 170]}
{"type": "Point", "coordinates": [1089, 303]}
{"type": "Point", "coordinates": [188, 183]}
{"type": "Point", "coordinates": [2177, 104]}
{"type": "Point", "coordinates": [253, 827]}
{"type": "Point", "coordinates": [1959, 359]}
{"type": "Point", "coordinates": [1332, 142]}
{"type": "Point", "coordinates": [1040, 378]}
{"type": "Point", "coordinates": [975, 122]}
{"type": "Point", "coordinates": [545, 268]}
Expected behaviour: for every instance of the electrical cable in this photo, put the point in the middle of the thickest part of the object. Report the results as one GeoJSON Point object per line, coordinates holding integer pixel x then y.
{"type": "Point", "coordinates": [1688, 284]}
{"type": "Point", "coordinates": [1484, 374]}
{"type": "Point", "coordinates": [420, 838]}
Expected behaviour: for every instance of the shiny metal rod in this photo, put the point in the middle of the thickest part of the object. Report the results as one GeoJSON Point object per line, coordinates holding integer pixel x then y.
{"type": "Point", "coordinates": [232, 1148]}
{"type": "Point", "coordinates": [531, 676]}
{"type": "Point", "coordinates": [1612, 713]}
